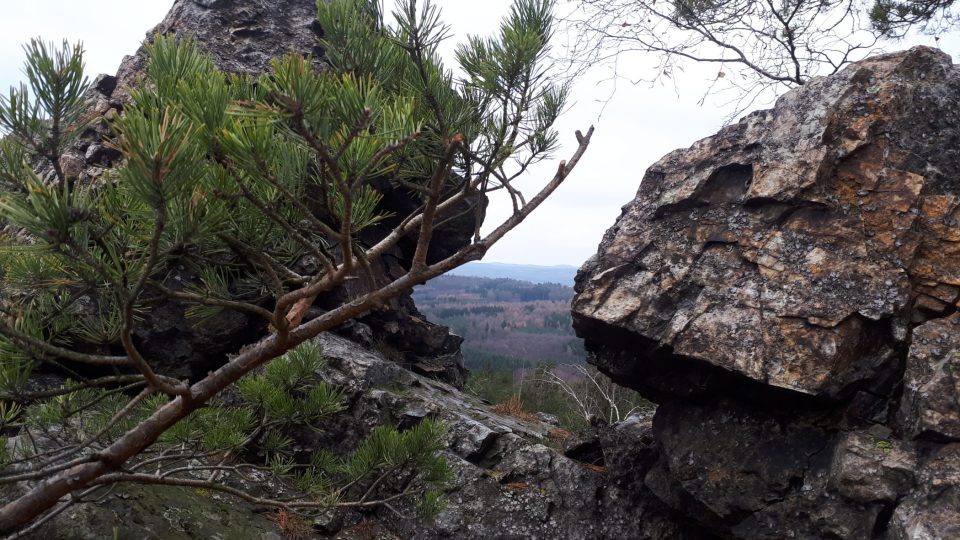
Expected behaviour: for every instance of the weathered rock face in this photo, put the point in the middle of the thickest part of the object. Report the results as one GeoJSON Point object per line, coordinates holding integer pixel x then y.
{"type": "Point", "coordinates": [243, 36]}
{"type": "Point", "coordinates": [511, 482]}
{"type": "Point", "coordinates": [786, 290]}
{"type": "Point", "coordinates": [930, 405]}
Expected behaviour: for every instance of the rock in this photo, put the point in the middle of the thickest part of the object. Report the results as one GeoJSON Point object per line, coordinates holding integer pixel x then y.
{"type": "Point", "coordinates": [933, 511]}
{"type": "Point", "coordinates": [405, 336]}
{"type": "Point", "coordinates": [282, 26]}
{"type": "Point", "coordinates": [99, 154]}
{"type": "Point", "coordinates": [550, 419]}
{"type": "Point", "coordinates": [929, 406]}
{"type": "Point", "coordinates": [509, 483]}
{"type": "Point", "coordinates": [329, 522]}
{"type": "Point", "coordinates": [181, 347]}
{"type": "Point", "coordinates": [156, 512]}
{"type": "Point", "coordinates": [473, 440]}
{"type": "Point", "coordinates": [787, 248]}
{"type": "Point", "coordinates": [870, 467]}
{"type": "Point", "coordinates": [212, 4]}
{"type": "Point", "coordinates": [72, 165]}
{"type": "Point", "coordinates": [744, 473]}
{"type": "Point", "coordinates": [105, 84]}
{"type": "Point", "coordinates": [584, 447]}
{"type": "Point", "coordinates": [787, 291]}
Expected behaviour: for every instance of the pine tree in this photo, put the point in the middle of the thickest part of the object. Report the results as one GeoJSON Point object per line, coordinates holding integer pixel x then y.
{"type": "Point", "coordinates": [238, 179]}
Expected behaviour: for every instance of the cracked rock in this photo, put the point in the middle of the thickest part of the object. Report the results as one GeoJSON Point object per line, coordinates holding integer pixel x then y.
{"type": "Point", "coordinates": [787, 291]}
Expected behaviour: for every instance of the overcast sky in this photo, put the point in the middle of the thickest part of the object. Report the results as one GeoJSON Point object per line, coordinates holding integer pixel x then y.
{"type": "Point", "coordinates": [637, 126]}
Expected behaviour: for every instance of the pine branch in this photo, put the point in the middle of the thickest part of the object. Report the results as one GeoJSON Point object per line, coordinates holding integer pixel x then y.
{"type": "Point", "coordinates": [242, 307]}
{"type": "Point", "coordinates": [101, 381]}
{"type": "Point", "coordinates": [433, 200]}
{"type": "Point", "coordinates": [46, 349]}
{"type": "Point", "coordinates": [112, 478]}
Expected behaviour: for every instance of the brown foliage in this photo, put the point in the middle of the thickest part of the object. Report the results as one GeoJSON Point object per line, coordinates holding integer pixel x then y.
{"type": "Point", "coordinates": [514, 407]}
{"type": "Point", "coordinates": [291, 525]}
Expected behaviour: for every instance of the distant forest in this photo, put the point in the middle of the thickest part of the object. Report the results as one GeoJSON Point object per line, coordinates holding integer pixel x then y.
{"type": "Point", "coordinates": [562, 274]}
{"type": "Point", "coordinates": [505, 323]}
{"type": "Point", "coordinates": [521, 350]}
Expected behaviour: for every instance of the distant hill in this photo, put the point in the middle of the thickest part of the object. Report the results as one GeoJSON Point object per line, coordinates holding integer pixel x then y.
{"type": "Point", "coordinates": [505, 323]}
{"type": "Point", "coordinates": [562, 274]}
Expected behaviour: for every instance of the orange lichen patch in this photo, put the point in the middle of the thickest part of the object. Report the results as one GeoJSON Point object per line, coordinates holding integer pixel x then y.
{"type": "Point", "coordinates": [517, 486]}
{"type": "Point", "coordinates": [886, 210]}
{"type": "Point", "coordinates": [594, 468]}
{"type": "Point", "coordinates": [558, 434]}
{"type": "Point", "coordinates": [938, 256]}
{"type": "Point", "coordinates": [856, 133]}
{"type": "Point", "coordinates": [858, 173]}
{"type": "Point", "coordinates": [514, 407]}
{"type": "Point", "coordinates": [940, 213]}
{"type": "Point", "coordinates": [938, 262]}
{"type": "Point", "coordinates": [826, 350]}
{"type": "Point", "coordinates": [937, 207]}
{"type": "Point", "coordinates": [291, 525]}
{"type": "Point", "coordinates": [900, 187]}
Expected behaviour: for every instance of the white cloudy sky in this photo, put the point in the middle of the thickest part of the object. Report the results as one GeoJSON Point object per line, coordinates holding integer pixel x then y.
{"type": "Point", "coordinates": [637, 126]}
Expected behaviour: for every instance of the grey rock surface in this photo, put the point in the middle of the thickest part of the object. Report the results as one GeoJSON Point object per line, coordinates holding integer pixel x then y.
{"type": "Point", "coordinates": [511, 482]}
{"type": "Point", "coordinates": [932, 511]}
{"type": "Point", "coordinates": [930, 406]}
{"type": "Point", "coordinates": [786, 290]}
{"type": "Point", "coordinates": [160, 513]}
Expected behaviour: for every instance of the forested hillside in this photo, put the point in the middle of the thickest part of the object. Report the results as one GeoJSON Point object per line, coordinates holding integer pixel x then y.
{"type": "Point", "coordinates": [561, 274]}
{"type": "Point", "coordinates": [521, 350]}
{"type": "Point", "coordinates": [505, 323]}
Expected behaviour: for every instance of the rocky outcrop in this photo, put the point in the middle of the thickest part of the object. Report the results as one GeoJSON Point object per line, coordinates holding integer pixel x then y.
{"type": "Point", "coordinates": [243, 36]}
{"type": "Point", "coordinates": [511, 480]}
{"type": "Point", "coordinates": [786, 290]}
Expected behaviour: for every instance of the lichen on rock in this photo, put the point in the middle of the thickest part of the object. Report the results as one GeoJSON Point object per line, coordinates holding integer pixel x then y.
{"type": "Point", "coordinates": [786, 290]}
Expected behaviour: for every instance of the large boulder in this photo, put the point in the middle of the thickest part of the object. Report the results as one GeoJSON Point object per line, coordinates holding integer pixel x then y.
{"type": "Point", "coordinates": [785, 289]}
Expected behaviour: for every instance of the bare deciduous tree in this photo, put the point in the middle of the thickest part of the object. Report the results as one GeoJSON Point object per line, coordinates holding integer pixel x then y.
{"type": "Point", "coordinates": [755, 45]}
{"type": "Point", "coordinates": [592, 394]}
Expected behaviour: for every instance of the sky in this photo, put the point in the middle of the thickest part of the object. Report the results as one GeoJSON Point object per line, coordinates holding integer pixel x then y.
{"type": "Point", "coordinates": [635, 124]}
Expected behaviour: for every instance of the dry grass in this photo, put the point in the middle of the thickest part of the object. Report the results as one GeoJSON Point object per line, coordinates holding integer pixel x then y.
{"type": "Point", "coordinates": [365, 530]}
{"type": "Point", "coordinates": [558, 435]}
{"type": "Point", "coordinates": [514, 407]}
{"type": "Point", "coordinates": [291, 525]}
